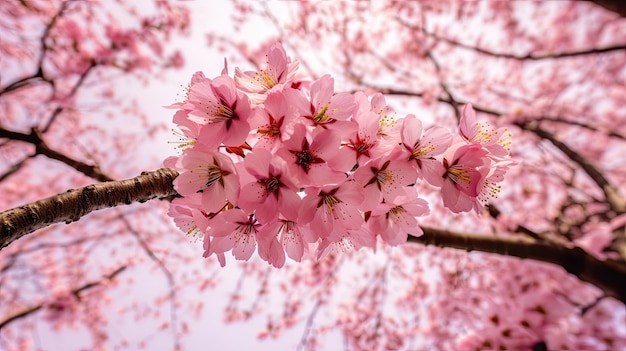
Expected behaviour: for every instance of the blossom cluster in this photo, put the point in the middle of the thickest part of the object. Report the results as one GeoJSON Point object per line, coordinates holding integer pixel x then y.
{"type": "Point", "coordinates": [283, 165]}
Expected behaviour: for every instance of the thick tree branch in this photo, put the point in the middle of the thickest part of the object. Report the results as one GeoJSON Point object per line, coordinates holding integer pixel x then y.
{"type": "Point", "coordinates": [73, 204]}
{"type": "Point", "coordinates": [76, 292]}
{"type": "Point", "coordinates": [608, 275]}
{"type": "Point", "coordinates": [36, 138]}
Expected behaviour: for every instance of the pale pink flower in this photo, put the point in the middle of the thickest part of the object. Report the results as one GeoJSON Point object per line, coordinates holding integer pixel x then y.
{"type": "Point", "coordinates": [279, 71]}
{"type": "Point", "coordinates": [271, 250]}
{"type": "Point", "coordinates": [463, 173]}
{"type": "Point", "coordinates": [494, 140]}
{"type": "Point", "coordinates": [365, 141]}
{"type": "Point", "coordinates": [270, 191]}
{"type": "Point", "coordinates": [384, 179]}
{"type": "Point", "coordinates": [222, 110]}
{"type": "Point", "coordinates": [394, 220]}
{"type": "Point", "coordinates": [232, 230]}
{"type": "Point", "coordinates": [288, 234]}
{"type": "Point", "coordinates": [326, 109]}
{"type": "Point", "coordinates": [424, 146]}
{"type": "Point", "coordinates": [212, 173]}
{"type": "Point", "coordinates": [273, 122]}
{"type": "Point", "coordinates": [332, 208]}
{"type": "Point", "coordinates": [206, 244]}
{"type": "Point", "coordinates": [343, 241]}
{"type": "Point", "coordinates": [188, 216]}
{"type": "Point", "coordinates": [327, 106]}
{"type": "Point", "coordinates": [388, 127]}
{"type": "Point", "coordinates": [488, 188]}
{"type": "Point", "coordinates": [189, 130]}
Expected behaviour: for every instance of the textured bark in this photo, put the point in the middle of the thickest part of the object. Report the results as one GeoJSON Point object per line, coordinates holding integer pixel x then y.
{"type": "Point", "coordinates": [72, 205]}
{"type": "Point", "coordinates": [609, 276]}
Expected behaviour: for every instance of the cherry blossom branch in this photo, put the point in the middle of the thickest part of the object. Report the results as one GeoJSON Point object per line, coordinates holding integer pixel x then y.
{"type": "Point", "coordinates": [610, 191]}
{"type": "Point", "coordinates": [76, 292]}
{"type": "Point", "coordinates": [39, 75]}
{"type": "Point", "coordinates": [70, 206]}
{"type": "Point", "coordinates": [610, 133]}
{"type": "Point", "coordinates": [607, 275]}
{"type": "Point", "coordinates": [73, 204]}
{"type": "Point", "coordinates": [24, 81]}
{"type": "Point", "coordinates": [57, 111]}
{"type": "Point", "coordinates": [529, 56]}
{"type": "Point", "coordinates": [36, 138]}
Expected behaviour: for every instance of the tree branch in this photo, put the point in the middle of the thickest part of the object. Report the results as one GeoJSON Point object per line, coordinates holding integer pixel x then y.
{"type": "Point", "coordinates": [36, 138]}
{"type": "Point", "coordinates": [76, 292]}
{"type": "Point", "coordinates": [73, 204]}
{"type": "Point", "coordinates": [609, 276]}
{"type": "Point", "coordinates": [618, 48]}
{"type": "Point", "coordinates": [610, 191]}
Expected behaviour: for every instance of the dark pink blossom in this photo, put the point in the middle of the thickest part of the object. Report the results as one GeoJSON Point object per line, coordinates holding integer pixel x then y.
{"type": "Point", "coordinates": [463, 173]}
{"type": "Point", "coordinates": [270, 192]}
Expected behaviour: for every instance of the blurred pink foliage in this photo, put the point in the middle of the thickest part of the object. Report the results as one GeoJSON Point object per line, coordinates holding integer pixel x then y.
{"type": "Point", "coordinates": [550, 72]}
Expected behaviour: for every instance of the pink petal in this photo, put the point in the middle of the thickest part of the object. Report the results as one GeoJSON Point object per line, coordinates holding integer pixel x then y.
{"type": "Point", "coordinates": [411, 130]}
{"type": "Point", "coordinates": [244, 246]}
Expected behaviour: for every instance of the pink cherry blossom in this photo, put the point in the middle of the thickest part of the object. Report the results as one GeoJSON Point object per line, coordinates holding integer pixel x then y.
{"type": "Point", "coordinates": [343, 241]}
{"type": "Point", "coordinates": [309, 163]}
{"type": "Point", "coordinates": [232, 230]}
{"type": "Point", "coordinates": [422, 147]}
{"type": "Point", "coordinates": [463, 173]}
{"type": "Point", "coordinates": [270, 191]}
{"type": "Point", "coordinates": [288, 234]}
{"type": "Point", "coordinates": [274, 122]}
{"type": "Point", "coordinates": [384, 178]}
{"type": "Point", "coordinates": [222, 110]}
{"type": "Point", "coordinates": [279, 71]}
{"type": "Point", "coordinates": [271, 250]}
{"type": "Point", "coordinates": [332, 208]}
{"type": "Point", "coordinates": [187, 215]}
{"type": "Point", "coordinates": [212, 173]}
{"type": "Point", "coordinates": [365, 141]}
{"type": "Point", "coordinates": [494, 140]}
{"type": "Point", "coordinates": [326, 109]}
{"type": "Point", "coordinates": [395, 219]}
